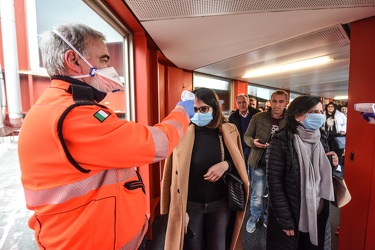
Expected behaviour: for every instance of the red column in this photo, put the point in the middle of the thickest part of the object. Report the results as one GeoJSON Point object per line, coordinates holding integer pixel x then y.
{"type": "Point", "coordinates": [357, 222]}
{"type": "Point", "coordinates": [238, 88]}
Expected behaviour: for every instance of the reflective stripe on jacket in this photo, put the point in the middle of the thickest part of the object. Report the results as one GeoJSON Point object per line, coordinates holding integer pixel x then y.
{"type": "Point", "coordinates": [78, 169]}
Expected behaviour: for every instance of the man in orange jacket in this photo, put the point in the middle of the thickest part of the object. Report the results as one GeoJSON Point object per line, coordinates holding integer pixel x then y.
{"type": "Point", "coordinates": [78, 159]}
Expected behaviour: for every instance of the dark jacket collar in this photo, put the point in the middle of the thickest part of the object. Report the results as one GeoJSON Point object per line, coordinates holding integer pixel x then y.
{"type": "Point", "coordinates": [98, 95]}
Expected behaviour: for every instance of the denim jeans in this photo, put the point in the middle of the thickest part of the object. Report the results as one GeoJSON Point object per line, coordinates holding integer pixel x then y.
{"type": "Point", "coordinates": [258, 187]}
{"type": "Point", "coordinates": [246, 154]}
{"type": "Point", "coordinates": [333, 145]}
{"type": "Point", "coordinates": [209, 222]}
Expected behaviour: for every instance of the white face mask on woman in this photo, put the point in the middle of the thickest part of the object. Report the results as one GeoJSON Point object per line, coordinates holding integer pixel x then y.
{"type": "Point", "coordinates": [105, 80]}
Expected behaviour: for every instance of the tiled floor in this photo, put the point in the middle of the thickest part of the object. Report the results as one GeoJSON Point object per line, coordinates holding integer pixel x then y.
{"type": "Point", "coordinates": [16, 235]}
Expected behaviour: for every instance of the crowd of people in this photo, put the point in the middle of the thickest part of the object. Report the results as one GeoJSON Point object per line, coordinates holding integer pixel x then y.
{"type": "Point", "coordinates": [83, 198]}
{"type": "Point", "coordinates": [287, 155]}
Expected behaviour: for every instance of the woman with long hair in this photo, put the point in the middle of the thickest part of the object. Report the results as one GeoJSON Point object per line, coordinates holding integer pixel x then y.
{"type": "Point", "coordinates": [299, 176]}
{"type": "Point", "coordinates": [335, 125]}
{"type": "Point", "coordinates": [193, 191]}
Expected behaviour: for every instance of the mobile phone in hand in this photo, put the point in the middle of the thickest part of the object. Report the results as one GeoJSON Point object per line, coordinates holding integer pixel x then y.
{"type": "Point", "coordinates": [260, 141]}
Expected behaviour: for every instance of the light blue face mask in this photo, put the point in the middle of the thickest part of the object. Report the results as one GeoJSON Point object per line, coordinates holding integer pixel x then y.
{"type": "Point", "coordinates": [313, 121]}
{"type": "Point", "coordinates": [202, 119]}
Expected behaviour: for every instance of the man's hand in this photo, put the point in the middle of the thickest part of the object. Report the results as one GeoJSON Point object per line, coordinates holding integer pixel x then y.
{"type": "Point", "coordinates": [258, 144]}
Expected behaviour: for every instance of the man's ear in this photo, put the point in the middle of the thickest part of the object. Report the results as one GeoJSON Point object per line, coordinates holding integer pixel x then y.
{"type": "Point", "coordinates": [71, 60]}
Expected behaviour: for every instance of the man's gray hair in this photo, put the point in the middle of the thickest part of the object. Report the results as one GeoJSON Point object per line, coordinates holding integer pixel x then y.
{"type": "Point", "coordinates": [53, 48]}
{"type": "Point", "coordinates": [243, 95]}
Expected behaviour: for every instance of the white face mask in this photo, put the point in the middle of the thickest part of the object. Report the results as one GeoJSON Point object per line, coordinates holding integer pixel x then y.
{"type": "Point", "coordinates": [105, 80]}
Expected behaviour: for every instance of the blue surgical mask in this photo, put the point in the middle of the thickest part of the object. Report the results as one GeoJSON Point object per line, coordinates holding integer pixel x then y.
{"type": "Point", "coordinates": [202, 119]}
{"type": "Point", "coordinates": [313, 121]}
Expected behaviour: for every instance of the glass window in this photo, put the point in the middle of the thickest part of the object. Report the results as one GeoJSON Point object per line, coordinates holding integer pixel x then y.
{"type": "Point", "coordinates": [260, 92]}
{"type": "Point", "coordinates": [43, 15]}
{"type": "Point", "coordinates": [293, 96]}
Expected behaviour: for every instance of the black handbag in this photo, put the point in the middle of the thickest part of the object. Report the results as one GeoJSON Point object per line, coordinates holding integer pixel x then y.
{"type": "Point", "coordinates": [236, 191]}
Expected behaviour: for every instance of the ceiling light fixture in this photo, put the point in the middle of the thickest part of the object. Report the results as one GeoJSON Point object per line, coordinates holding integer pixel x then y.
{"type": "Point", "coordinates": [341, 97]}
{"type": "Point", "coordinates": [289, 67]}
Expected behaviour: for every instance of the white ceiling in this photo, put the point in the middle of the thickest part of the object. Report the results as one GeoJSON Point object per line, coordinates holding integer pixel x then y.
{"type": "Point", "coordinates": [226, 38]}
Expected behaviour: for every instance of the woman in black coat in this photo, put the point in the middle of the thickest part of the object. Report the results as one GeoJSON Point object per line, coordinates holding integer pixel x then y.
{"type": "Point", "coordinates": [299, 176]}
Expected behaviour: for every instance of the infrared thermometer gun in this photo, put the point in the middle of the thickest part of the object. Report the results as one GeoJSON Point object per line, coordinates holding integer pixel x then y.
{"type": "Point", "coordinates": [187, 95]}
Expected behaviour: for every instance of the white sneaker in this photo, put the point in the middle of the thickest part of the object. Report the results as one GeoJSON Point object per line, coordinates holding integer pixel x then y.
{"type": "Point", "coordinates": [265, 222]}
{"type": "Point", "coordinates": [338, 168]}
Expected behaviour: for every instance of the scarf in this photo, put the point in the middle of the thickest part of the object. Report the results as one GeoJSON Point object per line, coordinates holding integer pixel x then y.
{"type": "Point", "coordinates": [316, 178]}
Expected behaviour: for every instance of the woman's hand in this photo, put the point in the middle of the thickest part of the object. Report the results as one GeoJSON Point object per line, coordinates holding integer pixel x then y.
{"type": "Point", "coordinates": [335, 159]}
{"type": "Point", "coordinates": [187, 218]}
{"type": "Point", "coordinates": [216, 171]}
{"type": "Point", "coordinates": [289, 232]}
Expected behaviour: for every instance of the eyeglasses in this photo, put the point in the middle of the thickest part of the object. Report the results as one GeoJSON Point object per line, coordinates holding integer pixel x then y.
{"type": "Point", "coordinates": [203, 109]}
{"type": "Point", "coordinates": [316, 112]}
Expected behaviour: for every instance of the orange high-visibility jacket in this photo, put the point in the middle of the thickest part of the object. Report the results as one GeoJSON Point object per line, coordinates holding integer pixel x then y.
{"type": "Point", "coordinates": [78, 168]}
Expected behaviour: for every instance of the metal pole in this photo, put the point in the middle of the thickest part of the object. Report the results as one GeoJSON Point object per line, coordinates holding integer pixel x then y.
{"type": "Point", "coordinates": [12, 80]}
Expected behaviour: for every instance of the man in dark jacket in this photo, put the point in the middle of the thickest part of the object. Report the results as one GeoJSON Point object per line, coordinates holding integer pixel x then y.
{"type": "Point", "coordinates": [258, 135]}
{"type": "Point", "coordinates": [241, 118]}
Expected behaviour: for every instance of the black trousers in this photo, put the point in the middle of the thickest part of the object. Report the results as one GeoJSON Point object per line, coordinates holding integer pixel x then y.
{"type": "Point", "coordinates": [304, 238]}
{"type": "Point", "coordinates": [209, 222]}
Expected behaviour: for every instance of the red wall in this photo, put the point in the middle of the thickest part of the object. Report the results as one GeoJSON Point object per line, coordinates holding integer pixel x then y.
{"type": "Point", "coordinates": [357, 222]}
{"type": "Point", "coordinates": [177, 81]}
{"type": "Point", "coordinates": [238, 88]}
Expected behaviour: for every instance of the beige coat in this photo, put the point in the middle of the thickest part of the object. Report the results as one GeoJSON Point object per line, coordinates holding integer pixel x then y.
{"type": "Point", "coordinates": [175, 185]}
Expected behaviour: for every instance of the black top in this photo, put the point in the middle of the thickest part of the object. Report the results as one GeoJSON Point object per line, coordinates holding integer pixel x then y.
{"type": "Point", "coordinates": [206, 153]}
